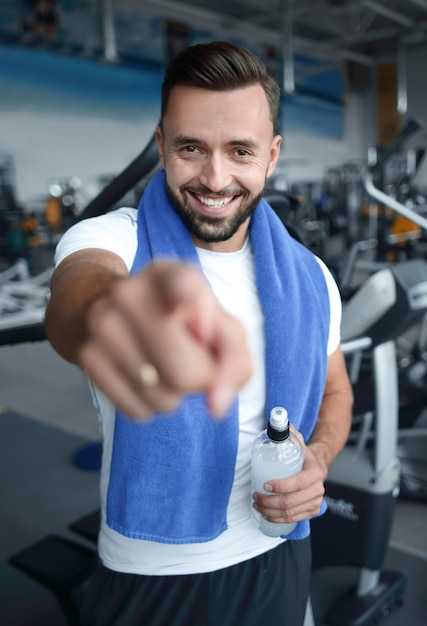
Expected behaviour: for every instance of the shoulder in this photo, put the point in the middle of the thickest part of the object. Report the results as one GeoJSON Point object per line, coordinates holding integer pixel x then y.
{"type": "Point", "coordinates": [115, 231]}
{"type": "Point", "coordinates": [330, 280]}
{"type": "Point", "coordinates": [335, 307]}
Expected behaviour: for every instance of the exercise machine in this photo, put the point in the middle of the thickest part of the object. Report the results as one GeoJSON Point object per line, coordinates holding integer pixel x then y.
{"type": "Point", "coordinates": [386, 246]}
{"type": "Point", "coordinates": [363, 482]}
{"type": "Point", "coordinates": [397, 212]}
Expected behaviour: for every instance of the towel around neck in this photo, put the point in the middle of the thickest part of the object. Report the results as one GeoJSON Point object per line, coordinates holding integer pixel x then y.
{"type": "Point", "coordinates": [170, 479]}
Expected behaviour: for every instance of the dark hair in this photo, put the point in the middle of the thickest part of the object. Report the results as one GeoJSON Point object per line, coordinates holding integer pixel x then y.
{"type": "Point", "coordinates": [219, 66]}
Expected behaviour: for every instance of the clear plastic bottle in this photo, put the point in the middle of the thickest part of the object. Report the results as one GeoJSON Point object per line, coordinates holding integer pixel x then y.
{"type": "Point", "coordinates": [276, 453]}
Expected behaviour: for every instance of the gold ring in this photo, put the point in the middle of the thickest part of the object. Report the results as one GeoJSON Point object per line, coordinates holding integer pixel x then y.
{"type": "Point", "coordinates": [148, 375]}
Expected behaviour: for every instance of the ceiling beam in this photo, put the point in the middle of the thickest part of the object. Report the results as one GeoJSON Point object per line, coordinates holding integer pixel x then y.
{"type": "Point", "coordinates": [416, 34]}
{"type": "Point", "coordinates": [198, 17]}
{"type": "Point", "coordinates": [419, 3]}
{"type": "Point", "coordinates": [323, 51]}
{"type": "Point", "coordinates": [391, 14]}
{"type": "Point", "coordinates": [365, 37]}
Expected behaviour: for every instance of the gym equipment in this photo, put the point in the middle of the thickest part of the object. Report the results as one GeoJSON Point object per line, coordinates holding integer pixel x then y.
{"type": "Point", "coordinates": [88, 526]}
{"type": "Point", "coordinates": [390, 172]}
{"type": "Point", "coordinates": [395, 213]}
{"type": "Point", "coordinates": [23, 300]}
{"type": "Point", "coordinates": [364, 479]}
{"type": "Point", "coordinates": [297, 219]}
{"type": "Point", "coordinates": [366, 257]}
{"type": "Point", "coordinates": [62, 566]}
{"type": "Point", "coordinates": [341, 200]}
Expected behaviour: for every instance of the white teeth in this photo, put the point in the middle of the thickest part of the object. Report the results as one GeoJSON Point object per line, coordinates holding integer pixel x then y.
{"type": "Point", "coordinates": [215, 204]}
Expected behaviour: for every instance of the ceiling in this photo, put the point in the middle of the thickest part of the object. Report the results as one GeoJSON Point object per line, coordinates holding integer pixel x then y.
{"type": "Point", "coordinates": [362, 31]}
{"type": "Point", "coordinates": [365, 32]}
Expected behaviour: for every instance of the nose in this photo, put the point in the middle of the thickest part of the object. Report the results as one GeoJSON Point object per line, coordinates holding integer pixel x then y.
{"type": "Point", "coordinates": [215, 173]}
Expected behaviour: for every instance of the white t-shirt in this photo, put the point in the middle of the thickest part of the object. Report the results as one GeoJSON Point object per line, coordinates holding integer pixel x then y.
{"type": "Point", "coordinates": [232, 277]}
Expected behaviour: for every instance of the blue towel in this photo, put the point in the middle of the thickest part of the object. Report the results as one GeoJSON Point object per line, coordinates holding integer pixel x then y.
{"type": "Point", "coordinates": [171, 478]}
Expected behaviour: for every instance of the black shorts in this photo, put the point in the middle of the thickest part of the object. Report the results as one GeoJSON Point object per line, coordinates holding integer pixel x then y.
{"type": "Point", "coordinates": [269, 590]}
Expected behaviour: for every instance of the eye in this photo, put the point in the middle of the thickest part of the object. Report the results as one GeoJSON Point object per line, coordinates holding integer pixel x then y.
{"type": "Point", "coordinates": [242, 152]}
{"type": "Point", "coordinates": [190, 149]}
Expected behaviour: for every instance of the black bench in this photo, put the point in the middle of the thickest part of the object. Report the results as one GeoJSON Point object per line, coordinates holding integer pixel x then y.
{"type": "Point", "coordinates": [88, 525]}
{"type": "Point", "coordinates": [62, 566]}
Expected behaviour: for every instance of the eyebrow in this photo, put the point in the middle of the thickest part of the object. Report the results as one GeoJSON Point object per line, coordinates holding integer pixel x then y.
{"type": "Point", "coordinates": [244, 143]}
{"type": "Point", "coordinates": [182, 140]}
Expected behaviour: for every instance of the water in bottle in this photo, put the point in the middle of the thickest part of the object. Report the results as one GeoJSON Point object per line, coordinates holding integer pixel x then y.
{"type": "Point", "coordinates": [276, 453]}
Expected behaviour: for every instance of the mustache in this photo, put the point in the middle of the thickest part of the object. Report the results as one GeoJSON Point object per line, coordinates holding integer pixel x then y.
{"type": "Point", "coordinates": [202, 190]}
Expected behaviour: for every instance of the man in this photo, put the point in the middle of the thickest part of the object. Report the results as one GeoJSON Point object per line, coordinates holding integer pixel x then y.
{"type": "Point", "coordinates": [222, 317]}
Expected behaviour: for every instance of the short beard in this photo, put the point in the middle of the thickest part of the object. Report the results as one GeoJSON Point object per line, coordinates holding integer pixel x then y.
{"type": "Point", "coordinates": [212, 229]}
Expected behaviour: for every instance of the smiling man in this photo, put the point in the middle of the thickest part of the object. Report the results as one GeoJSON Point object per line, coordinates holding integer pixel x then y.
{"type": "Point", "coordinates": [193, 317]}
{"type": "Point", "coordinates": [217, 149]}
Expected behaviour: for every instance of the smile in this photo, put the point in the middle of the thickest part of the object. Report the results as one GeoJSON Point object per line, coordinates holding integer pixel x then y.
{"type": "Point", "coordinates": [214, 203]}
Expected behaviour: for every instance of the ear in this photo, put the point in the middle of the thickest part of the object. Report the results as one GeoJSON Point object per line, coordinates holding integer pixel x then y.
{"type": "Point", "coordinates": [274, 154]}
{"type": "Point", "coordinates": [160, 145]}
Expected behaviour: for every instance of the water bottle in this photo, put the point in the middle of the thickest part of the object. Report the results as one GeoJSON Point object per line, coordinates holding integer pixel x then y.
{"type": "Point", "coordinates": [276, 453]}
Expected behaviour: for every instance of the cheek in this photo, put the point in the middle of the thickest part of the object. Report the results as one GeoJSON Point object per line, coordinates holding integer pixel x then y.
{"type": "Point", "coordinates": [177, 178]}
{"type": "Point", "coordinates": [182, 173]}
{"type": "Point", "coordinates": [253, 180]}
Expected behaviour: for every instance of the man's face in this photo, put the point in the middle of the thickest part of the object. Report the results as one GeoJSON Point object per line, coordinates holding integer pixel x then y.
{"type": "Point", "coordinates": [217, 149]}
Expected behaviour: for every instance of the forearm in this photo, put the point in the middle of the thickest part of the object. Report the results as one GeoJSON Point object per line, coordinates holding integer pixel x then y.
{"type": "Point", "coordinates": [334, 422]}
{"type": "Point", "coordinates": [332, 429]}
{"type": "Point", "coordinates": [76, 284]}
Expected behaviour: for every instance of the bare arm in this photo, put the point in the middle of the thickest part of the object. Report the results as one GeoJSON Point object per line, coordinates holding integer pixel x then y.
{"type": "Point", "coordinates": [76, 283]}
{"type": "Point", "coordinates": [110, 323]}
{"type": "Point", "coordinates": [333, 427]}
{"type": "Point", "coordinates": [300, 497]}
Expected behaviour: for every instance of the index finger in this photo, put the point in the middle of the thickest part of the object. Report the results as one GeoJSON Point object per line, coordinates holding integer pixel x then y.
{"type": "Point", "coordinates": [233, 364]}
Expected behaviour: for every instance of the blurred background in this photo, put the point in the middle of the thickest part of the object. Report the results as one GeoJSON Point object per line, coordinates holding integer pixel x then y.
{"type": "Point", "coordinates": [79, 101]}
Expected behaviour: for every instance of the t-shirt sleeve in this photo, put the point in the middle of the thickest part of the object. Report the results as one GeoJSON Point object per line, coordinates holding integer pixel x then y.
{"type": "Point", "coordinates": [335, 305]}
{"type": "Point", "coordinates": [115, 231]}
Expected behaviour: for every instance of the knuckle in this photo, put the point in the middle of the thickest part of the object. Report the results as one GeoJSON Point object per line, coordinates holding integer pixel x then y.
{"type": "Point", "coordinates": [315, 509]}
{"type": "Point", "coordinates": [159, 401]}
{"type": "Point", "coordinates": [285, 505]}
{"type": "Point", "coordinates": [168, 403]}
{"type": "Point", "coordinates": [300, 482]}
{"type": "Point", "coordinates": [287, 516]}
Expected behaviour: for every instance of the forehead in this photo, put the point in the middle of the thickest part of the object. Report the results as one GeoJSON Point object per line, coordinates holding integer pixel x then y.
{"type": "Point", "coordinates": [192, 108]}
